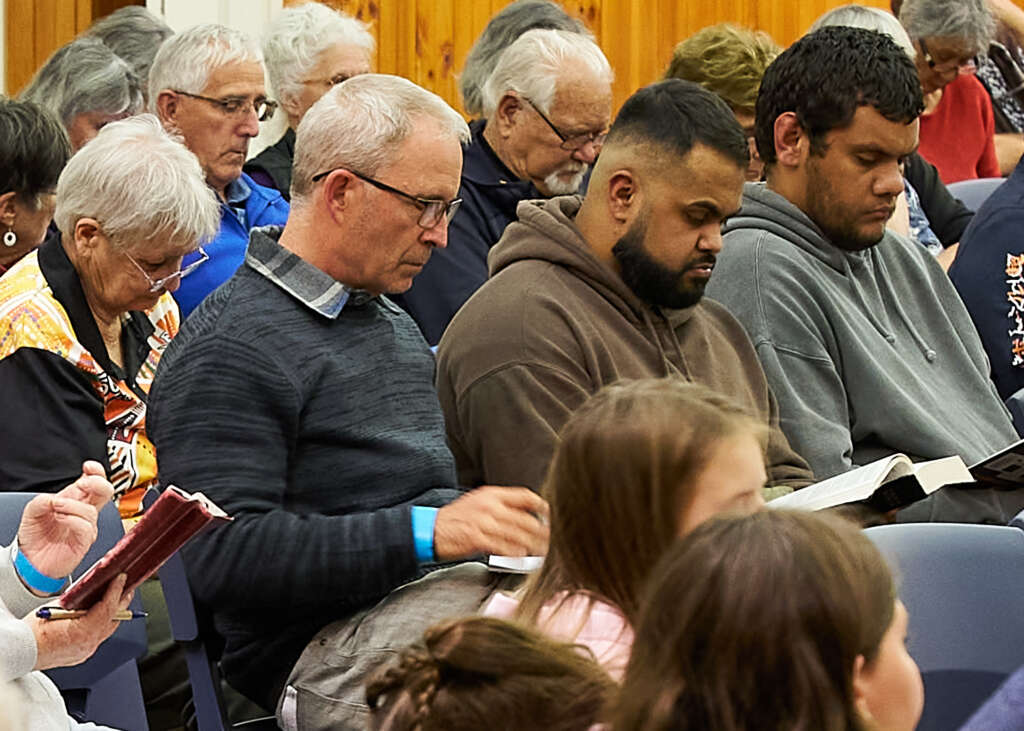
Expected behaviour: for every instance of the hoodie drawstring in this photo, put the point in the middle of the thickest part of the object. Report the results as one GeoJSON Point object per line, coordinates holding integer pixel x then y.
{"type": "Point", "coordinates": [929, 353]}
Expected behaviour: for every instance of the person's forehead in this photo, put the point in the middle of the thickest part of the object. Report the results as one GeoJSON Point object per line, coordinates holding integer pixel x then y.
{"type": "Point", "coordinates": [949, 47]}
{"type": "Point", "coordinates": [869, 130]}
{"type": "Point", "coordinates": [343, 58]}
{"type": "Point", "coordinates": [428, 162]}
{"type": "Point", "coordinates": [706, 178]}
{"type": "Point", "coordinates": [582, 102]}
{"type": "Point", "coordinates": [238, 78]}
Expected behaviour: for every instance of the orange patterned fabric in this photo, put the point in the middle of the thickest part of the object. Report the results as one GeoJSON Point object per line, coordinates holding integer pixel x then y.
{"type": "Point", "coordinates": [31, 317]}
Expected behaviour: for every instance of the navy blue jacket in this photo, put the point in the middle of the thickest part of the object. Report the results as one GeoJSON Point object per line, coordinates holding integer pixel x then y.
{"type": "Point", "coordinates": [989, 275]}
{"type": "Point", "coordinates": [490, 193]}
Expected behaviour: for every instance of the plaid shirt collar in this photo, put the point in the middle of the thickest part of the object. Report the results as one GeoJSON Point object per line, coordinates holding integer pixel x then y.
{"type": "Point", "coordinates": [303, 281]}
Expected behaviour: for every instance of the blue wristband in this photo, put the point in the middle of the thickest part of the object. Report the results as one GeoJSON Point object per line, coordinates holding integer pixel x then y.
{"type": "Point", "coordinates": [423, 532]}
{"type": "Point", "coordinates": [33, 578]}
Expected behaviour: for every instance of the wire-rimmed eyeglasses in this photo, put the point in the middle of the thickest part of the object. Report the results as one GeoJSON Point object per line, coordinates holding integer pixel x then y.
{"type": "Point", "coordinates": [155, 285]}
{"type": "Point", "coordinates": [575, 142]}
{"type": "Point", "coordinates": [238, 106]}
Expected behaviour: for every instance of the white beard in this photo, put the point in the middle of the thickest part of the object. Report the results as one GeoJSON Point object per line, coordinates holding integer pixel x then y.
{"type": "Point", "coordinates": [558, 186]}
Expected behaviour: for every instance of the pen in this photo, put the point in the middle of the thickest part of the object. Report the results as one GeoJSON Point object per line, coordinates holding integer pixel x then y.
{"type": "Point", "coordinates": [57, 613]}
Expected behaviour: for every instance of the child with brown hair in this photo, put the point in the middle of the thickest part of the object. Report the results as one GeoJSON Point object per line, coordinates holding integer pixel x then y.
{"type": "Point", "coordinates": [638, 465]}
{"type": "Point", "coordinates": [779, 620]}
{"type": "Point", "coordinates": [478, 673]}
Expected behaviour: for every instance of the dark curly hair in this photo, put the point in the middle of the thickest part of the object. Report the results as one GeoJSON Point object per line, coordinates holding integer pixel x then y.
{"type": "Point", "coordinates": [825, 76]}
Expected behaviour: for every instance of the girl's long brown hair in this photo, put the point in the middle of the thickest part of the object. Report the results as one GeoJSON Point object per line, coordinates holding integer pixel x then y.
{"type": "Point", "coordinates": [619, 483]}
{"type": "Point", "coordinates": [757, 622]}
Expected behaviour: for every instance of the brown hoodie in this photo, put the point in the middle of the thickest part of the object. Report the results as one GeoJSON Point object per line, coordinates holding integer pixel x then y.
{"type": "Point", "coordinates": [553, 325]}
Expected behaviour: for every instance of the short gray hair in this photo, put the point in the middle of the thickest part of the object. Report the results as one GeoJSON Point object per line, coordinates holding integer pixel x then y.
{"type": "Point", "coordinates": [361, 122]}
{"type": "Point", "coordinates": [969, 20]}
{"type": "Point", "coordinates": [84, 76]}
{"type": "Point", "coordinates": [134, 34]}
{"type": "Point", "coordinates": [186, 60]}
{"type": "Point", "coordinates": [532, 65]}
{"type": "Point", "coordinates": [298, 35]}
{"type": "Point", "coordinates": [140, 183]}
{"type": "Point", "coordinates": [861, 16]}
{"type": "Point", "coordinates": [501, 31]}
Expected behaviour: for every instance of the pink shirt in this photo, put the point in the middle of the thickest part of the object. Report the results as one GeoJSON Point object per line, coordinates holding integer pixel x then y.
{"type": "Point", "coordinates": [593, 624]}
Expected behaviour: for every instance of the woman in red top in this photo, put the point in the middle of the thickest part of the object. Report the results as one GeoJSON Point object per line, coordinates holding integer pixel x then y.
{"type": "Point", "coordinates": [957, 127]}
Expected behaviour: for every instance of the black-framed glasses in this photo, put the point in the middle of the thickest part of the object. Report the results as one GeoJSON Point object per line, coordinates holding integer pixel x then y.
{"type": "Point", "coordinates": [238, 106]}
{"type": "Point", "coordinates": [575, 142]}
{"type": "Point", "coordinates": [155, 285]}
{"type": "Point", "coordinates": [966, 66]}
{"type": "Point", "coordinates": [432, 210]}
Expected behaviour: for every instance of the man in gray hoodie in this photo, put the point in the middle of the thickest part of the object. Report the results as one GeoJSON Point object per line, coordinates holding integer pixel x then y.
{"type": "Point", "coordinates": [585, 292]}
{"type": "Point", "coordinates": [864, 340]}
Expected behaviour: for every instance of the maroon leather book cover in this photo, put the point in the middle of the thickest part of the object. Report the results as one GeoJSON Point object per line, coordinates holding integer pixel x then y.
{"type": "Point", "coordinates": [165, 527]}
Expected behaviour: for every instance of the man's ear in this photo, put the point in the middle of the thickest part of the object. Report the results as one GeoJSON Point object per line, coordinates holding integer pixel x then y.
{"type": "Point", "coordinates": [337, 192]}
{"type": "Point", "coordinates": [791, 141]}
{"type": "Point", "coordinates": [507, 114]}
{"type": "Point", "coordinates": [623, 196]}
{"type": "Point", "coordinates": [289, 105]}
{"type": "Point", "coordinates": [7, 209]}
{"type": "Point", "coordinates": [167, 105]}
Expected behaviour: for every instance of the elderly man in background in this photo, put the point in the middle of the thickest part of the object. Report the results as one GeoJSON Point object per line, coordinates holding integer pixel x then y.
{"type": "Point", "coordinates": [586, 292]}
{"type": "Point", "coordinates": [308, 49]}
{"type": "Point", "coordinates": [318, 427]}
{"type": "Point", "coordinates": [55, 533]}
{"type": "Point", "coordinates": [86, 86]}
{"type": "Point", "coordinates": [547, 106]}
{"type": "Point", "coordinates": [135, 35]}
{"type": "Point", "coordinates": [207, 84]}
{"type": "Point", "coordinates": [500, 32]}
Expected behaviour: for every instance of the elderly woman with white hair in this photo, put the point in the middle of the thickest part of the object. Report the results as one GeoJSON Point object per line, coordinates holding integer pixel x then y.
{"type": "Point", "coordinates": [86, 86]}
{"type": "Point", "coordinates": [308, 49]}
{"type": "Point", "coordinates": [958, 124]}
{"type": "Point", "coordinates": [85, 318]}
{"type": "Point", "coordinates": [135, 34]}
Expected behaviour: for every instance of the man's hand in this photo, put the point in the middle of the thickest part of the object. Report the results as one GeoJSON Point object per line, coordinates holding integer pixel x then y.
{"type": "Point", "coordinates": [64, 642]}
{"type": "Point", "coordinates": [510, 521]}
{"type": "Point", "coordinates": [56, 531]}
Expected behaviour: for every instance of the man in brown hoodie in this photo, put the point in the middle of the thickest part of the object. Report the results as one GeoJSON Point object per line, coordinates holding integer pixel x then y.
{"type": "Point", "coordinates": [584, 292]}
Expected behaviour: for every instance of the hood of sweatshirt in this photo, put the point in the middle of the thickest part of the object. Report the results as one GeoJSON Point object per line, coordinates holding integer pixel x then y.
{"type": "Point", "coordinates": [865, 270]}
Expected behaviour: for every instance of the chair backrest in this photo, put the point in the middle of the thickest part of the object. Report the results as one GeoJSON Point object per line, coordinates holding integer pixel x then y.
{"type": "Point", "coordinates": [972, 193]}
{"type": "Point", "coordinates": [962, 587]}
{"type": "Point", "coordinates": [108, 681]}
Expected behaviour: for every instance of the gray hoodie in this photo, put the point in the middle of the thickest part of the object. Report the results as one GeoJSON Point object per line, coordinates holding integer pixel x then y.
{"type": "Point", "coordinates": [868, 352]}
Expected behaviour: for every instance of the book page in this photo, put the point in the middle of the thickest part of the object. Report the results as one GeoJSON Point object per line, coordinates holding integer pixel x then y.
{"type": "Point", "coordinates": [514, 564]}
{"type": "Point", "coordinates": [857, 484]}
{"type": "Point", "coordinates": [935, 473]}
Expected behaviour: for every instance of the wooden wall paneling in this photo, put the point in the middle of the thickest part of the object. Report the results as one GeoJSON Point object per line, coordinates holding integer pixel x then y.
{"type": "Point", "coordinates": [435, 46]}
{"type": "Point", "coordinates": [20, 42]}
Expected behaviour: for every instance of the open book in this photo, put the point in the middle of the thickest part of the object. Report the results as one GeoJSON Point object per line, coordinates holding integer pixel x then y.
{"type": "Point", "coordinates": [166, 526]}
{"type": "Point", "coordinates": [895, 482]}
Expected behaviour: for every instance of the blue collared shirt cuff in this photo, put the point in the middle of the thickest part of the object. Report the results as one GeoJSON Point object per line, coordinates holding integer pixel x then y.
{"type": "Point", "coordinates": [423, 519]}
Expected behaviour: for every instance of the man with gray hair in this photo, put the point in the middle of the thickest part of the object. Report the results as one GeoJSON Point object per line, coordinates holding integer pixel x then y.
{"type": "Point", "coordinates": [547, 105]}
{"type": "Point", "coordinates": [207, 84]}
{"type": "Point", "coordinates": [301, 400]}
{"type": "Point", "coordinates": [308, 49]}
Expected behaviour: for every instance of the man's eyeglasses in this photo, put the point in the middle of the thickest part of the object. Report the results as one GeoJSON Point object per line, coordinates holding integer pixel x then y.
{"type": "Point", "coordinates": [432, 210]}
{"type": "Point", "coordinates": [238, 106]}
{"type": "Point", "coordinates": [576, 141]}
{"type": "Point", "coordinates": [965, 66]}
{"type": "Point", "coordinates": [155, 285]}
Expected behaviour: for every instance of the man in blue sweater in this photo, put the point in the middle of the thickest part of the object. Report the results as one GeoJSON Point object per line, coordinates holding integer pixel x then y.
{"type": "Point", "coordinates": [301, 400]}
{"type": "Point", "coordinates": [207, 84]}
